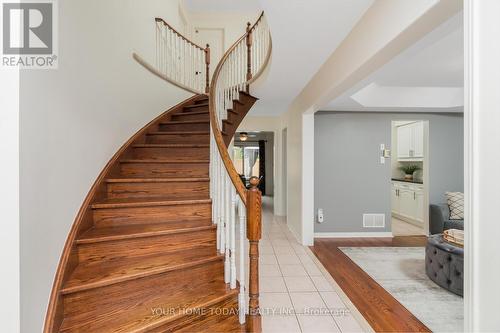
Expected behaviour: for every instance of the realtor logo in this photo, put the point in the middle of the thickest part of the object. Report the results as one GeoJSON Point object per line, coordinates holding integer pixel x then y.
{"type": "Point", "coordinates": [28, 36]}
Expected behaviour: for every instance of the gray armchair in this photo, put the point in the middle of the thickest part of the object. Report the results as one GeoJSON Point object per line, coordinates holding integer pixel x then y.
{"type": "Point", "coordinates": [439, 217]}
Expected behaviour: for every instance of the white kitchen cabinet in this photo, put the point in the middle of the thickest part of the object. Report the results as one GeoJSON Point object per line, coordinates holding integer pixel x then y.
{"type": "Point", "coordinates": [395, 198]}
{"type": "Point", "coordinates": [419, 198]}
{"type": "Point", "coordinates": [407, 206]}
{"type": "Point", "coordinates": [404, 141]}
{"type": "Point", "coordinates": [410, 141]}
{"type": "Point", "coordinates": [418, 139]}
{"type": "Point", "coordinates": [408, 201]}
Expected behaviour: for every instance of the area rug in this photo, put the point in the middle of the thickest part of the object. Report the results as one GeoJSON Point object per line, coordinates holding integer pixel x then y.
{"type": "Point", "coordinates": [401, 271]}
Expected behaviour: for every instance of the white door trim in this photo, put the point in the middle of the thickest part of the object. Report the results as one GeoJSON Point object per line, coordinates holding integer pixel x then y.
{"type": "Point", "coordinates": [481, 139]}
{"type": "Point", "coordinates": [308, 178]}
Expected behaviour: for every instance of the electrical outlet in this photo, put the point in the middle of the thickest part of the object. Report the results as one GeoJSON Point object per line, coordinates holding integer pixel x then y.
{"type": "Point", "coordinates": [320, 215]}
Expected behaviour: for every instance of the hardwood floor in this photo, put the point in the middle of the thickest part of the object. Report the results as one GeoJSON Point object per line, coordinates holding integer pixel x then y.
{"type": "Point", "coordinates": [382, 311]}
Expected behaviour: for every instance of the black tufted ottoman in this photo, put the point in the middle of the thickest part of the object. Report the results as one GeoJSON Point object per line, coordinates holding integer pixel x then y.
{"type": "Point", "coordinates": [444, 264]}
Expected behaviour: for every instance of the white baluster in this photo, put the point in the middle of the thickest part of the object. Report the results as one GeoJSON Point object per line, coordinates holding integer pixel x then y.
{"type": "Point", "coordinates": [220, 199]}
{"type": "Point", "coordinates": [227, 203]}
{"type": "Point", "coordinates": [241, 295]}
{"type": "Point", "coordinates": [233, 237]}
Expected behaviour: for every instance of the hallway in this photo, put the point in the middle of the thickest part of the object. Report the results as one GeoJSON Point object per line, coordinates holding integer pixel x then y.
{"type": "Point", "coordinates": [296, 293]}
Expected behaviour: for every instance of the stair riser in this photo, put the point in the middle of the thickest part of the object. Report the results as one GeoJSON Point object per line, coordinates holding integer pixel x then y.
{"type": "Point", "coordinates": [165, 170]}
{"type": "Point", "coordinates": [206, 321]}
{"type": "Point", "coordinates": [232, 117]}
{"type": "Point", "coordinates": [180, 153]}
{"type": "Point", "coordinates": [185, 127]}
{"type": "Point", "coordinates": [167, 190]}
{"type": "Point", "coordinates": [196, 109]}
{"type": "Point", "coordinates": [96, 306]}
{"type": "Point", "coordinates": [187, 116]}
{"type": "Point", "coordinates": [179, 138]}
{"type": "Point", "coordinates": [107, 217]}
{"type": "Point", "coordinates": [201, 101]}
{"type": "Point", "coordinates": [137, 247]}
{"type": "Point", "coordinates": [228, 128]}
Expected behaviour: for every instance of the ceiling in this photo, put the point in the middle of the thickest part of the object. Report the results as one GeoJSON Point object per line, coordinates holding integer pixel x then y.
{"type": "Point", "coordinates": [304, 36]}
{"type": "Point", "coordinates": [428, 76]}
{"type": "Point", "coordinates": [222, 5]}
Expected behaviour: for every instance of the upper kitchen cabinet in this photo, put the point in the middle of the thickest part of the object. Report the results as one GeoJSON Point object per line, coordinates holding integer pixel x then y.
{"type": "Point", "coordinates": [411, 141]}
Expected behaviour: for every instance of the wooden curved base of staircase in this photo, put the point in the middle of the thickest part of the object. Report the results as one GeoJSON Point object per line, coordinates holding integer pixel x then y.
{"type": "Point", "coordinates": [141, 255]}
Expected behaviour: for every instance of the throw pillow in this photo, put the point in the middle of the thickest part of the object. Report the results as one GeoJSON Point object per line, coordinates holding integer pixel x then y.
{"type": "Point", "coordinates": [456, 205]}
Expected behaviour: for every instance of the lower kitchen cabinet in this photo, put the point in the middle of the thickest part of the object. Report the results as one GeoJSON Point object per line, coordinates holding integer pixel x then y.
{"type": "Point", "coordinates": [408, 201]}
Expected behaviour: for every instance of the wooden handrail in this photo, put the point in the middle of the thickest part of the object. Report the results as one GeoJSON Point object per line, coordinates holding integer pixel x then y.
{"type": "Point", "coordinates": [159, 19]}
{"type": "Point", "coordinates": [228, 163]}
{"type": "Point", "coordinates": [226, 159]}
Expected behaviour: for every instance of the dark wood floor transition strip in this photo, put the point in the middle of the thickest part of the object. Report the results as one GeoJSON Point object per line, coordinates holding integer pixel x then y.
{"type": "Point", "coordinates": [382, 311]}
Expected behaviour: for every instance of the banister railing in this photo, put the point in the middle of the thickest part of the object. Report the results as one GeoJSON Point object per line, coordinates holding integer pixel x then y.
{"type": "Point", "coordinates": [178, 60]}
{"type": "Point", "coordinates": [241, 65]}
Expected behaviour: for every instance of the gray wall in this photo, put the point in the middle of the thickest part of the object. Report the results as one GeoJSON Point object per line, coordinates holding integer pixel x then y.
{"type": "Point", "coordinates": [348, 177]}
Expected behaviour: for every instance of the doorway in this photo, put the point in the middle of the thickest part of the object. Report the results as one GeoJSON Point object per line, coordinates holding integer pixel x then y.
{"type": "Point", "coordinates": [409, 177]}
{"type": "Point", "coordinates": [253, 156]}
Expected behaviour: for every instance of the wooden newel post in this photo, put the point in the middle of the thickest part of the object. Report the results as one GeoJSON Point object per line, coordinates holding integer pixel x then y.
{"type": "Point", "coordinates": [249, 55]}
{"type": "Point", "coordinates": [207, 68]}
{"type": "Point", "coordinates": [254, 233]}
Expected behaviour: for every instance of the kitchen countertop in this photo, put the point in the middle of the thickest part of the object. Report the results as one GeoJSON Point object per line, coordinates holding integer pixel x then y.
{"type": "Point", "coordinates": [407, 181]}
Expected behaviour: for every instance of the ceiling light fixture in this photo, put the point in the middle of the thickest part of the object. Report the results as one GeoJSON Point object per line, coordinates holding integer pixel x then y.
{"type": "Point", "coordinates": [243, 136]}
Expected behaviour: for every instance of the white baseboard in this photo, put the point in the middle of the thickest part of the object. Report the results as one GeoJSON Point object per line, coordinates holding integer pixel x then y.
{"type": "Point", "coordinates": [352, 234]}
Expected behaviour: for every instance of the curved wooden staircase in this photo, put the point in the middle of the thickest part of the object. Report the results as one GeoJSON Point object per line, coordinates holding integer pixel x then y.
{"type": "Point", "coordinates": [144, 254]}
{"type": "Point", "coordinates": [152, 248]}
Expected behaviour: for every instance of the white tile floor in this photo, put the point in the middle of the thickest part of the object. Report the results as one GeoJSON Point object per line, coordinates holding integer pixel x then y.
{"type": "Point", "coordinates": [297, 295]}
{"type": "Point", "coordinates": [403, 228]}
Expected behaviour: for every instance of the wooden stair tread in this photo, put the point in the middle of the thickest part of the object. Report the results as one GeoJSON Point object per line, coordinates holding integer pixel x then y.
{"type": "Point", "coordinates": [156, 180]}
{"type": "Point", "coordinates": [159, 161]}
{"type": "Point", "coordinates": [146, 202]}
{"type": "Point", "coordinates": [173, 122]}
{"type": "Point", "coordinates": [136, 314]}
{"type": "Point", "coordinates": [190, 113]}
{"type": "Point", "coordinates": [103, 234]}
{"type": "Point", "coordinates": [196, 106]}
{"type": "Point", "coordinates": [171, 145]}
{"type": "Point", "coordinates": [88, 275]}
{"type": "Point", "coordinates": [179, 133]}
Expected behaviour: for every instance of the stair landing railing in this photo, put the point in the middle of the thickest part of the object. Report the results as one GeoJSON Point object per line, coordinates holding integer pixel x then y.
{"type": "Point", "coordinates": [178, 60]}
{"type": "Point", "coordinates": [240, 66]}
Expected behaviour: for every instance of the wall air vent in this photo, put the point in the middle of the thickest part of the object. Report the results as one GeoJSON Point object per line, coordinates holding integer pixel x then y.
{"type": "Point", "coordinates": [373, 220]}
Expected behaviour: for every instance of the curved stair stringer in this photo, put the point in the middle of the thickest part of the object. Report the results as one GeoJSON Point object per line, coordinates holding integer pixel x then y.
{"type": "Point", "coordinates": [145, 223]}
{"type": "Point", "coordinates": [236, 114]}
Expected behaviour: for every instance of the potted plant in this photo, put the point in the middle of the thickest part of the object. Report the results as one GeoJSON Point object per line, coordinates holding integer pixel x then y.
{"type": "Point", "coordinates": [409, 170]}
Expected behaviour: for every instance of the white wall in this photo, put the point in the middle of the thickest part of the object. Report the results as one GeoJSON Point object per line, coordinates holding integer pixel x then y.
{"type": "Point", "coordinates": [73, 120]}
{"type": "Point", "coordinates": [9, 196]}
{"type": "Point", "coordinates": [233, 23]}
{"type": "Point", "coordinates": [482, 263]}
